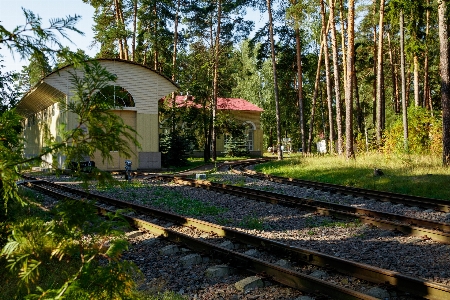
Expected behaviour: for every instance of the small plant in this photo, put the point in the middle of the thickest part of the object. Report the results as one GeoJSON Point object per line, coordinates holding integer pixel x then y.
{"type": "Point", "coordinates": [252, 222]}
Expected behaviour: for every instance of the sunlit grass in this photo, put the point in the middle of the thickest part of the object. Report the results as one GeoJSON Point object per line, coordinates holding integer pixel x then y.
{"type": "Point", "coordinates": [407, 174]}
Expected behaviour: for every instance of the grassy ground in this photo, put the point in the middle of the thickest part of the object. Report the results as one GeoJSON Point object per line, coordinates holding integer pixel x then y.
{"type": "Point", "coordinates": [407, 174]}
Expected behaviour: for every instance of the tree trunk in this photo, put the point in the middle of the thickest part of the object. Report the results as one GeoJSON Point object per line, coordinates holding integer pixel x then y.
{"type": "Point", "coordinates": [374, 82]}
{"type": "Point", "coordinates": [275, 82]}
{"type": "Point", "coordinates": [133, 42]}
{"type": "Point", "coordinates": [316, 89]}
{"type": "Point", "coordinates": [174, 61]}
{"type": "Point", "coordinates": [300, 88]}
{"type": "Point", "coordinates": [350, 153]}
{"type": "Point", "coordinates": [344, 57]}
{"type": "Point", "coordinates": [121, 46]}
{"type": "Point", "coordinates": [123, 51]}
{"type": "Point", "coordinates": [328, 77]}
{"type": "Point", "coordinates": [175, 42]}
{"type": "Point", "coordinates": [445, 80]}
{"type": "Point", "coordinates": [408, 83]}
{"type": "Point", "coordinates": [314, 99]}
{"type": "Point", "coordinates": [394, 76]}
{"type": "Point", "coordinates": [379, 114]}
{"type": "Point", "coordinates": [402, 74]}
{"type": "Point", "coordinates": [426, 84]}
{"type": "Point", "coordinates": [216, 81]}
{"type": "Point", "coordinates": [337, 87]}
{"type": "Point", "coordinates": [359, 114]}
{"type": "Point", "coordinates": [155, 38]}
{"type": "Point", "coordinates": [416, 80]}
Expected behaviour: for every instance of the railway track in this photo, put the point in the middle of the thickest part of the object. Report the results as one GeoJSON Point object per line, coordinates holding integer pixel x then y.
{"type": "Point", "coordinates": [409, 200]}
{"type": "Point", "coordinates": [414, 286]}
{"type": "Point", "coordinates": [438, 231]}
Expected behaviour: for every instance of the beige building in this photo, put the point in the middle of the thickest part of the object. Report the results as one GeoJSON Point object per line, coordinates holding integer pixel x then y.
{"type": "Point", "coordinates": [143, 88]}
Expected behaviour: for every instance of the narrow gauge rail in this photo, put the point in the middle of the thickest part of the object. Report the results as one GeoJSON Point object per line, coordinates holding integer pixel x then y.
{"type": "Point", "coordinates": [437, 231]}
{"type": "Point", "coordinates": [409, 200]}
{"type": "Point", "coordinates": [414, 286]}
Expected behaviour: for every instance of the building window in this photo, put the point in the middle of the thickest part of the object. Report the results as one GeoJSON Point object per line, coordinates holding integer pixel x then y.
{"type": "Point", "coordinates": [119, 96]}
{"type": "Point", "coordinates": [249, 135]}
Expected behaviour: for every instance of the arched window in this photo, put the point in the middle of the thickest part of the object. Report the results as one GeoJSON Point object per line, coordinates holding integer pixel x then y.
{"type": "Point", "coordinates": [118, 95]}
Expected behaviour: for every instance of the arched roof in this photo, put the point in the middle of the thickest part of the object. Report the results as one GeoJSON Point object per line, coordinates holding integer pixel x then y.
{"type": "Point", "coordinates": [145, 85]}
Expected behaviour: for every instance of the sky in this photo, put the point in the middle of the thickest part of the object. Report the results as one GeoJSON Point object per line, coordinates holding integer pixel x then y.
{"type": "Point", "coordinates": [11, 15]}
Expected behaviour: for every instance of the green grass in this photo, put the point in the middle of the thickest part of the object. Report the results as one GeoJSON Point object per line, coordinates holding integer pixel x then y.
{"type": "Point", "coordinates": [220, 179]}
{"type": "Point", "coordinates": [183, 205]}
{"type": "Point", "coordinates": [406, 174]}
{"type": "Point", "coordinates": [252, 222]}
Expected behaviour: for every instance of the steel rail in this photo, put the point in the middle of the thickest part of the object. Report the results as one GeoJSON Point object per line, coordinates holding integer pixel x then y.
{"type": "Point", "coordinates": [437, 231]}
{"type": "Point", "coordinates": [409, 200]}
{"type": "Point", "coordinates": [414, 286]}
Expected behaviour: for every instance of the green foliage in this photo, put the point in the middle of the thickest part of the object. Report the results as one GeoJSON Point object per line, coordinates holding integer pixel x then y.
{"type": "Point", "coordinates": [424, 133]}
{"type": "Point", "coordinates": [76, 234]}
{"type": "Point", "coordinates": [25, 40]}
{"type": "Point", "coordinates": [11, 145]}
{"type": "Point", "coordinates": [174, 147]}
{"type": "Point", "coordinates": [37, 69]}
{"type": "Point", "coordinates": [9, 89]}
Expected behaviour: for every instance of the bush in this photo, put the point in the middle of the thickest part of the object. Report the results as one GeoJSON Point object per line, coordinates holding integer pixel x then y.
{"type": "Point", "coordinates": [424, 133]}
{"type": "Point", "coordinates": [174, 148]}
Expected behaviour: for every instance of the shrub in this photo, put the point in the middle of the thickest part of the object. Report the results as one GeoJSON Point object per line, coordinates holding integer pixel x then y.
{"type": "Point", "coordinates": [424, 133]}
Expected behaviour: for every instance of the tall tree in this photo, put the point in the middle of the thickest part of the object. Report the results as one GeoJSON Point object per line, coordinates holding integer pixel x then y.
{"type": "Point", "coordinates": [296, 14]}
{"type": "Point", "coordinates": [133, 41]}
{"type": "Point", "coordinates": [328, 76]}
{"type": "Point", "coordinates": [444, 62]}
{"type": "Point", "coordinates": [120, 23]}
{"type": "Point", "coordinates": [316, 87]}
{"type": "Point", "coordinates": [350, 153]}
{"type": "Point", "coordinates": [343, 40]}
{"type": "Point", "coordinates": [426, 84]}
{"type": "Point", "coordinates": [216, 79]}
{"type": "Point", "coordinates": [275, 81]}
{"type": "Point", "coordinates": [380, 76]}
{"type": "Point", "coordinates": [402, 75]}
{"type": "Point", "coordinates": [337, 84]}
